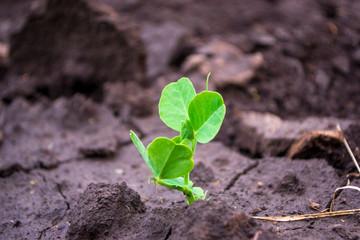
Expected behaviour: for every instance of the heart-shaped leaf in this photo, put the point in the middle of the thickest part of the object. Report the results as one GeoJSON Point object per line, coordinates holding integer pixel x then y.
{"type": "Point", "coordinates": [169, 159]}
{"type": "Point", "coordinates": [174, 102]}
{"type": "Point", "coordinates": [206, 113]}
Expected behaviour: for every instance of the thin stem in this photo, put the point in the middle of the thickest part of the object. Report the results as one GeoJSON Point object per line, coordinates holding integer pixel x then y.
{"type": "Point", "coordinates": [190, 198]}
{"type": "Point", "coordinates": [187, 176]}
{"type": "Point", "coordinates": [351, 154]}
{"type": "Point", "coordinates": [186, 179]}
{"type": "Point", "coordinates": [349, 150]}
{"type": "Point", "coordinates": [194, 146]}
{"type": "Point", "coordinates": [207, 82]}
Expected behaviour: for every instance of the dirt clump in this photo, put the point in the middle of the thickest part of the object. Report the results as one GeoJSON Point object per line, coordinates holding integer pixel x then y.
{"type": "Point", "coordinates": [75, 46]}
{"type": "Point", "coordinates": [216, 220]}
{"type": "Point", "coordinates": [330, 146]}
{"type": "Point", "coordinates": [227, 64]}
{"type": "Point", "coordinates": [104, 210]}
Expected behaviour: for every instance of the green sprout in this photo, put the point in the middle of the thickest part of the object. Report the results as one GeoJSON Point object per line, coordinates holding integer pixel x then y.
{"type": "Point", "coordinates": [198, 118]}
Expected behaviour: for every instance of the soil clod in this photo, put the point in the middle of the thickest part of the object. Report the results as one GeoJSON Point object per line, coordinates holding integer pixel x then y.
{"type": "Point", "coordinates": [104, 209]}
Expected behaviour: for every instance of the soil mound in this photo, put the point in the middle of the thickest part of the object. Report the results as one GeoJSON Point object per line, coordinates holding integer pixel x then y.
{"type": "Point", "coordinates": [102, 210]}
{"type": "Point", "coordinates": [75, 46]}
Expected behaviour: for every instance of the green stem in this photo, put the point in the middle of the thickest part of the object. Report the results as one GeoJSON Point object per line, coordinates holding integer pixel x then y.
{"type": "Point", "coordinates": [186, 179]}
{"type": "Point", "coordinates": [207, 82]}
{"type": "Point", "coordinates": [190, 198]}
{"type": "Point", "coordinates": [194, 146]}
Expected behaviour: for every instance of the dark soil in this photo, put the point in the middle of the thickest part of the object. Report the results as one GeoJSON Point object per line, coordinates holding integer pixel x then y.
{"type": "Point", "coordinates": [118, 206]}
{"type": "Point", "coordinates": [76, 76]}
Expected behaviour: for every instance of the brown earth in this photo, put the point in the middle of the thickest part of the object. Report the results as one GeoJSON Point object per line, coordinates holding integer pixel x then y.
{"type": "Point", "coordinates": [76, 76]}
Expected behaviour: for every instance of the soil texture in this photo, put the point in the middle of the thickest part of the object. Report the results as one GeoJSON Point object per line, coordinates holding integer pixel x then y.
{"type": "Point", "coordinates": [77, 75]}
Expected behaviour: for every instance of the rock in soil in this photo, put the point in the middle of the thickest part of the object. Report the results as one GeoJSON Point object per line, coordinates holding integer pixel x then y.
{"type": "Point", "coordinates": [267, 134]}
{"type": "Point", "coordinates": [91, 45]}
{"type": "Point", "coordinates": [227, 64]}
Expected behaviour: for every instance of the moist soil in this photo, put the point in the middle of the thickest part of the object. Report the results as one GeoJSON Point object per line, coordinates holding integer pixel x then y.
{"type": "Point", "coordinates": [70, 95]}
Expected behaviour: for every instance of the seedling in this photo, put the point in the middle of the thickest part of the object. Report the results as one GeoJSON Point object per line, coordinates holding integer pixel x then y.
{"type": "Point", "coordinates": [197, 118]}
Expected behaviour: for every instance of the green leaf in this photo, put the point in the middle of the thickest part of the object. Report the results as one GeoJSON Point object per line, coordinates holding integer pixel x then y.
{"type": "Point", "coordinates": [140, 146]}
{"type": "Point", "coordinates": [176, 139]}
{"type": "Point", "coordinates": [199, 193]}
{"type": "Point", "coordinates": [170, 160]}
{"type": "Point", "coordinates": [206, 113]}
{"type": "Point", "coordinates": [187, 142]}
{"type": "Point", "coordinates": [192, 193]}
{"type": "Point", "coordinates": [174, 102]}
{"type": "Point", "coordinates": [187, 130]}
{"type": "Point", "coordinates": [175, 183]}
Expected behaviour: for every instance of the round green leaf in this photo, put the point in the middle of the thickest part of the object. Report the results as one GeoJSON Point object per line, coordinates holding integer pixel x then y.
{"type": "Point", "coordinates": [174, 102]}
{"type": "Point", "coordinates": [170, 160]}
{"type": "Point", "coordinates": [206, 114]}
